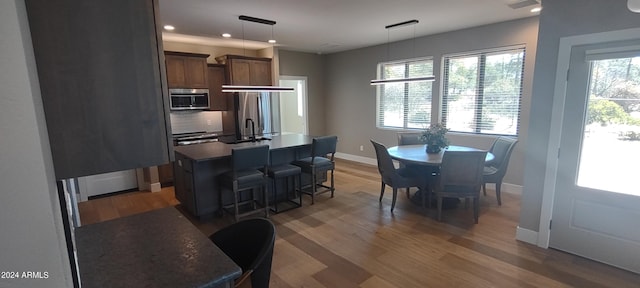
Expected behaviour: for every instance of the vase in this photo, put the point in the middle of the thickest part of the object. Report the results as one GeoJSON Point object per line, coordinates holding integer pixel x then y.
{"type": "Point", "coordinates": [431, 149]}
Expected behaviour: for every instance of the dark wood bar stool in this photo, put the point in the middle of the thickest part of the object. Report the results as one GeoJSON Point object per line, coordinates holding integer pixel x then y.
{"type": "Point", "coordinates": [249, 172]}
{"type": "Point", "coordinates": [323, 150]}
{"type": "Point", "coordinates": [283, 173]}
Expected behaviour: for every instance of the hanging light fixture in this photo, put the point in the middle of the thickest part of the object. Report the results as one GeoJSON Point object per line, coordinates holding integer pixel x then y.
{"type": "Point", "coordinates": [402, 80]}
{"type": "Point", "coordinates": [251, 88]}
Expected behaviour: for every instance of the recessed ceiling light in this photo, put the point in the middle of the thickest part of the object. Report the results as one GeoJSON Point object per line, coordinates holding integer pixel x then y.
{"type": "Point", "coordinates": [169, 27]}
{"type": "Point", "coordinates": [226, 35]}
{"type": "Point", "coordinates": [272, 41]}
{"type": "Point", "coordinates": [537, 9]}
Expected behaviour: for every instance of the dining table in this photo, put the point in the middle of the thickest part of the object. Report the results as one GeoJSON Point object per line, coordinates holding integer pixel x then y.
{"type": "Point", "coordinates": [417, 155]}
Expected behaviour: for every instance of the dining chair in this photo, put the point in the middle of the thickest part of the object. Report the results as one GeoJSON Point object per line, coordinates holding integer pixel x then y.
{"type": "Point", "coordinates": [409, 138]}
{"type": "Point", "coordinates": [249, 172]}
{"type": "Point", "coordinates": [323, 150]}
{"type": "Point", "coordinates": [414, 138]}
{"type": "Point", "coordinates": [460, 177]}
{"type": "Point", "coordinates": [397, 178]}
{"type": "Point", "coordinates": [495, 171]}
{"type": "Point", "coordinates": [249, 243]}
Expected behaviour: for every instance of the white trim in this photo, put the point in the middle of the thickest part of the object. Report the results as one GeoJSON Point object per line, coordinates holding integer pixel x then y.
{"type": "Point", "coordinates": [526, 235]}
{"type": "Point", "coordinates": [305, 98]}
{"type": "Point", "coordinates": [356, 158]}
{"type": "Point", "coordinates": [155, 187]}
{"type": "Point", "coordinates": [555, 129]}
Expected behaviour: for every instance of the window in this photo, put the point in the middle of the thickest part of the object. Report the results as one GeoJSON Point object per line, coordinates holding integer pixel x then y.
{"type": "Point", "coordinates": [482, 91]}
{"type": "Point", "coordinates": [404, 105]}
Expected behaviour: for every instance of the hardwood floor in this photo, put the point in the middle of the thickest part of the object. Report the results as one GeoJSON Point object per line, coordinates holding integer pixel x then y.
{"type": "Point", "coordinates": [354, 241]}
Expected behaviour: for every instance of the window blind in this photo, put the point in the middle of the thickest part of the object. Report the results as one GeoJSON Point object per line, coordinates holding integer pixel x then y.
{"type": "Point", "coordinates": [404, 105]}
{"type": "Point", "coordinates": [482, 91]}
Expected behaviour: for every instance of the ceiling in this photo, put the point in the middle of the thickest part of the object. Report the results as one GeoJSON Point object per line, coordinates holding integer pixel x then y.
{"type": "Point", "coordinates": [327, 26]}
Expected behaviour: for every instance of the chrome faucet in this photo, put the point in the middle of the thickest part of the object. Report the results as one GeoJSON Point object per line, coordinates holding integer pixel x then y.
{"type": "Point", "coordinates": [253, 128]}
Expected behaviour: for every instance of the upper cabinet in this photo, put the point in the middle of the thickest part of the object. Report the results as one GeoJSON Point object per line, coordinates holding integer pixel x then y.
{"type": "Point", "coordinates": [186, 70]}
{"type": "Point", "coordinates": [217, 78]}
{"type": "Point", "coordinates": [247, 70]}
{"type": "Point", "coordinates": [102, 80]}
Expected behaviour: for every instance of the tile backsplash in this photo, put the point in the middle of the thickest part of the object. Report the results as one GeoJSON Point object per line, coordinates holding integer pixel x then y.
{"type": "Point", "coordinates": [194, 121]}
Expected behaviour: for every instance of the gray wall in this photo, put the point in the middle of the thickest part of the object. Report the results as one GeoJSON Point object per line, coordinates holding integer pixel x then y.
{"type": "Point", "coordinates": [350, 101]}
{"type": "Point", "coordinates": [32, 235]}
{"type": "Point", "coordinates": [559, 18]}
{"type": "Point", "coordinates": [311, 66]}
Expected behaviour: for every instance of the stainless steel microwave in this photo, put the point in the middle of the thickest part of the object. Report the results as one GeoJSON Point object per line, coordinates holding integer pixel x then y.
{"type": "Point", "coordinates": [189, 99]}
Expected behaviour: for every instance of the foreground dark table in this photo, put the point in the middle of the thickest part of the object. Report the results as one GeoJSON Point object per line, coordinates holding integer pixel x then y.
{"type": "Point", "coordinates": [160, 248]}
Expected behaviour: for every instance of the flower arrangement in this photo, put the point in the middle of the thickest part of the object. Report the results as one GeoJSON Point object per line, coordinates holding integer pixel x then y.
{"type": "Point", "coordinates": [434, 137]}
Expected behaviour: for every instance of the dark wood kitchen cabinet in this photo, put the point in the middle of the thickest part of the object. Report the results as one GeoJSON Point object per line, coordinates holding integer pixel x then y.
{"type": "Point", "coordinates": [243, 70]}
{"type": "Point", "coordinates": [102, 80]}
{"type": "Point", "coordinates": [217, 77]}
{"type": "Point", "coordinates": [186, 70]}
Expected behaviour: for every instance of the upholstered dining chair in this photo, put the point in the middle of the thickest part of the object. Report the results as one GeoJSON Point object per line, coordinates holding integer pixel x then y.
{"type": "Point", "coordinates": [413, 138]}
{"type": "Point", "coordinates": [409, 138]}
{"type": "Point", "coordinates": [397, 178]}
{"type": "Point", "coordinates": [323, 150]}
{"type": "Point", "coordinates": [460, 177]}
{"type": "Point", "coordinates": [494, 171]}
{"type": "Point", "coordinates": [249, 243]}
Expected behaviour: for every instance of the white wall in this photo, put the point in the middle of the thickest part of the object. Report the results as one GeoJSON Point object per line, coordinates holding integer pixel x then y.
{"type": "Point", "coordinates": [350, 102]}
{"type": "Point", "coordinates": [31, 231]}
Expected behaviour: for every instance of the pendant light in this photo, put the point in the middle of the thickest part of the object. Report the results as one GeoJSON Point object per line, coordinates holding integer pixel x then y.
{"type": "Point", "coordinates": [251, 88]}
{"type": "Point", "coordinates": [633, 5]}
{"type": "Point", "coordinates": [402, 80]}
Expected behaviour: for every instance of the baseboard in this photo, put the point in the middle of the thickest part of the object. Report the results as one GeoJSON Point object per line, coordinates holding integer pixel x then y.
{"type": "Point", "coordinates": [155, 187]}
{"type": "Point", "coordinates": [526, 235]}
{"type": "Point", "coordinates": [356, 158]}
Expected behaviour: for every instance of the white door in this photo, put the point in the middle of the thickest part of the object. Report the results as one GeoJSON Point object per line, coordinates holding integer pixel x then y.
{"type": "Point", "coordinates": [293, 106]}
{"type": "Point", "coordinates": [596, 210]}
{"type": "Point", "coordinates": [106, 183]}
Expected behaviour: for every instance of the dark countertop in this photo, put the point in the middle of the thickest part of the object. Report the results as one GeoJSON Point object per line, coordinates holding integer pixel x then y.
{"type": "Point", "coordinates": [160, 248]}
{"type": "Point", "coordinates": [216, 150]}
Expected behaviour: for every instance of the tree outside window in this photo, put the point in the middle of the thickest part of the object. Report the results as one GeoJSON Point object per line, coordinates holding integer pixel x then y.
{"type": "Point", "coordinates": [404, 105]}
{"type": "Point", "coordinates": [482, 91]}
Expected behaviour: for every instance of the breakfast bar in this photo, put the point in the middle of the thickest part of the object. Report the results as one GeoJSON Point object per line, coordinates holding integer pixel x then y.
{"type": "Point", "coordinates": [197, 167]}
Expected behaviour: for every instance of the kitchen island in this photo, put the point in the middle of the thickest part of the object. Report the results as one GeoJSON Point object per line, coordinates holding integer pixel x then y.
{"type": "Point", "coordinates": [197, 167]}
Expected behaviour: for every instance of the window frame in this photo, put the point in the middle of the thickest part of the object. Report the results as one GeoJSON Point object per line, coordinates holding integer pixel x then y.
{"type": "Point", "coordinates": [480, 86]}
{"type": "Point", "coordinates": [406, 95]}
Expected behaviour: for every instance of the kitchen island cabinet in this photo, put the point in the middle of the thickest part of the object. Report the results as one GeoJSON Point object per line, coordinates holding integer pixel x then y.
{"type": "Point", "coordinates": [198, 166]}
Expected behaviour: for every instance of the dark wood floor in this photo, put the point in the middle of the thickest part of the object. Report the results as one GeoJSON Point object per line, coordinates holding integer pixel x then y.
{"type": "Point", "coordinates": [354, 241]}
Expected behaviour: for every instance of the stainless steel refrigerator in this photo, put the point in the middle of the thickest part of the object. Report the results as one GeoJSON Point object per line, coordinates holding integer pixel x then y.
{"type": "Point", "coordinates": [245, 109]}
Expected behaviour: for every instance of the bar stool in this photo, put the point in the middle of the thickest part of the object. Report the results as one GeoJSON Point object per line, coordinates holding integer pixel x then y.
{"type": "Point", "coordinates": [249, 172]}
{"type": "Point", "coordinates": [323, 150]}
{"type": "Point", "coordinates": [284, 172]}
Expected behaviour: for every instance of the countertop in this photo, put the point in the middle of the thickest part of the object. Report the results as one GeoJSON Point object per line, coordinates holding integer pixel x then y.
{"type": "Point", "coordinates": [217, 150]}
{"type": "Point", "coordinates": [160, 248]}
